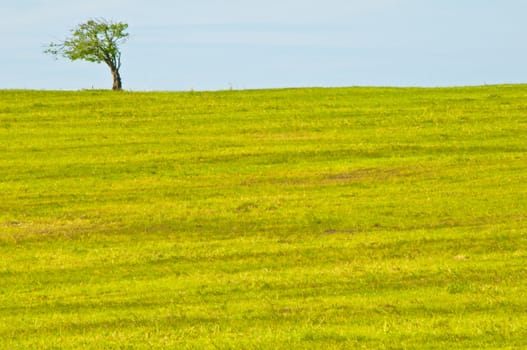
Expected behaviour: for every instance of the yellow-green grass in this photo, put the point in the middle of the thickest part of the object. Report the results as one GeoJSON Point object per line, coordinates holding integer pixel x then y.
{"type": "Point", "coordinates": [374, 218]}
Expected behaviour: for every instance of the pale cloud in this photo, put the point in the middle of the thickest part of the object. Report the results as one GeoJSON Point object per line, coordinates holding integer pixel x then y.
{"type": "Point", "coordinates": [269, 11]}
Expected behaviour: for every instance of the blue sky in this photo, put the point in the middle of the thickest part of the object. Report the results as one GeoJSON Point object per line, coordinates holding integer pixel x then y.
{"type": "Point", "coordinates": [213, 44]}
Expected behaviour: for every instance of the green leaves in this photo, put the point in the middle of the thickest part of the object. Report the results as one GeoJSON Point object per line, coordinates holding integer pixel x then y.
{"type": "Point", "coordinates": [97, 40]}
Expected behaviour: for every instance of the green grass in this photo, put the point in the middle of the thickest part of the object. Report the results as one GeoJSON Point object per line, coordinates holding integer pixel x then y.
{"type": "Point", "coordinates": [373, 218]}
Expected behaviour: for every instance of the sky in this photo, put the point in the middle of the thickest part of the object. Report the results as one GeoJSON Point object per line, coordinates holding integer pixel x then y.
{"type": "Point", "coordinates": [186, 45]}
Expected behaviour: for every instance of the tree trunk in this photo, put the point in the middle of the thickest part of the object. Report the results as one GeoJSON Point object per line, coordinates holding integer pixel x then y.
{"type": "Point", "coordinates": [117, 84]}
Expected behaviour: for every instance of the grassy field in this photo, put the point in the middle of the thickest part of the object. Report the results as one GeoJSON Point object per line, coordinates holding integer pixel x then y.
{"type": "Point", "coordinates": [348, 218]}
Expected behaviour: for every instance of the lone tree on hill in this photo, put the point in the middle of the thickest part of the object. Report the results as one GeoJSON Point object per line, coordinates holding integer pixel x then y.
{"type": "Point", "coordinates": [97, 40]}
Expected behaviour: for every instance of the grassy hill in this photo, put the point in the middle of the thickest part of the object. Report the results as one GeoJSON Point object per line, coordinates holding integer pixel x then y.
{"type": "Point", "coordinates": [274, 219]}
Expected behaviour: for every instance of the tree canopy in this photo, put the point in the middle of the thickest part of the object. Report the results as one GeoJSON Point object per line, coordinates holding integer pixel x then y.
{"type": "Point", "coordinates": [97, 40]}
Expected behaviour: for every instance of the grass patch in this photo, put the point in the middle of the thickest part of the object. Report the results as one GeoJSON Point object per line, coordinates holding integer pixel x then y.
{"type": "Point", "coordinates": [298, 218]}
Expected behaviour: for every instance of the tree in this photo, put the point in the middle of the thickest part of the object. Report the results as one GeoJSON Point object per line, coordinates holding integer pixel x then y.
{"type": "Point", "coordinates": [97, 40]}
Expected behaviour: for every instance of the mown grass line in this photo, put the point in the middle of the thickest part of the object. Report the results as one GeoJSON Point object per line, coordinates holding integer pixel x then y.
{"type": "Point", "coordinates": [297, 218]}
